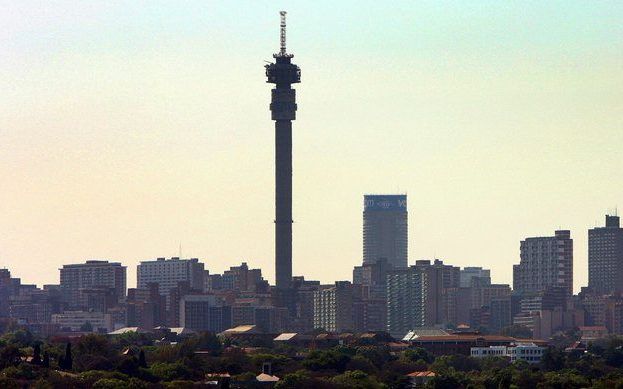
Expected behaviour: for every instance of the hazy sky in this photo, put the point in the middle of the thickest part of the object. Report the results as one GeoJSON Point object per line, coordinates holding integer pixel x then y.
{"type": "Point", "coordinates": [129, 127]}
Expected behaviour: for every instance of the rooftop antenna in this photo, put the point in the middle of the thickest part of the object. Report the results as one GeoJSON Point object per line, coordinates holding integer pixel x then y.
{"type": "Point", "coordinates": [282, 37]}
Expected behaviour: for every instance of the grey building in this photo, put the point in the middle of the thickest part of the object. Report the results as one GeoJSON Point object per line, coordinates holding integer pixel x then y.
{"type": "Point", "coordinates": [333, 307]}
{"type": "Point", "coordinates": [605, 257]}
{"type": "Point", "coordinates": [469, 273]}
{"type": "Point", "coordinates": [545, 262]}
{"type": "Point", "coordinates": [385, 229]}
{"type": "Point", "coordinates": [77, 279]}
{"type": "Point", "coordinates": [167, 273]}
{"type": "Point", "coordinates": [420, 296]}
{"type": "Point", "coordinates": [204, 313]}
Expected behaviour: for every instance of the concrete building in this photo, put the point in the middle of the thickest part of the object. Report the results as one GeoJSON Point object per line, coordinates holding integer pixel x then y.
{"type": "Point", "coordinates": [605, 257]}
{"type": "Point", "coordinates": [385, 229]}
{"type": "Point", "coordinates": [283, 73]}
{"type": "Point", "coordinates": [78, 321]}
{"type": "Point", "coordinates": [79, 279]}
{"type": "Point", "coordinates": [414, 296]}
{"type": "Point", "coordinates": [528, 352]}
{"type": "Point", "coordinates": [204, 313]}
{"type": "Point", "coordinates": [500, 314]}
{"type": "Point", "coordinates": [145, 308]}
{"type": "Point", "coordinates": [167, 273]}
{"type": "Point", "coordinates": [241, 278]}
{"type": "Point", "coordinates": [545, 262]}
{"type": "Point", "coordinates": [333, 307]}
{"type": "Point", "coordinates": [469, 273]}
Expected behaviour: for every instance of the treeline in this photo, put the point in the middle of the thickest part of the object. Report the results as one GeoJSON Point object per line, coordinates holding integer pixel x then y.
{"type": "Point", "coordinates": [133, 361]}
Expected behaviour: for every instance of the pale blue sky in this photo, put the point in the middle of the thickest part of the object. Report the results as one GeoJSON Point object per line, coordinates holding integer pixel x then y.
{"type": "Point", "coordinates": [128, 127]}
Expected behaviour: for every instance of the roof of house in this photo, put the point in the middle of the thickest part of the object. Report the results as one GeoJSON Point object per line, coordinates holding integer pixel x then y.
{"type": "Point", "coordinates": [267, 378]}
{"type": "Point", "coordinates": [124, 330]}
{"type": "Point", "coordinates": [424, 331]}
{"type": "Point", "coordinates": [286, 336]}
{"type": "Point", "coordinates": [421, 374]}
{"type": "Point", "coordinates": [182, 331]}
{"type": "Point", "coordinates": [244, 329]}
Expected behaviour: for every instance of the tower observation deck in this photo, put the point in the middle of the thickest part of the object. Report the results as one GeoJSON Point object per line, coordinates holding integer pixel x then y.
{"type": "Point", "coordinates": [283, 73]}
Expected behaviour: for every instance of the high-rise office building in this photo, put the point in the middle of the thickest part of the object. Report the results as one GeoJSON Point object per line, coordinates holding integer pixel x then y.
{"type": "Point", "coordinates": [333, 307]}
{"type": "Point", "coordinates": [167, 273]}
{"type": "Point", "coordinates": [545, 262]}
{"type": "Point", "coordinates": [385, 229]}
{"type": "Point", "coordinates": [605, 257]}
{"type": "Point", "coordinates": [204, 313]}
{"type": "Point", "coordinates": [420, 296]}
{"type": "Point", "coordinates": [470, 273]}
{"type": "Point", "coordinates": [78, 279]}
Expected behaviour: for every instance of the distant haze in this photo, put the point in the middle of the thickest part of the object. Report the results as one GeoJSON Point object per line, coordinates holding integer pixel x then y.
{"type": "Point", "coordinates": [129, 127]}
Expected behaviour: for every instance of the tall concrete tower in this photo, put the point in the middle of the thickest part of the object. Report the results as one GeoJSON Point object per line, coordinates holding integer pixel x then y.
{"type": "Point", "coordinates": [283, 73]}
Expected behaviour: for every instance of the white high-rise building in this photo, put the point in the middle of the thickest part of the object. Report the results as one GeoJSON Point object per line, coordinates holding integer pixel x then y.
{"type": "Point", "coordinates": [167, 273]}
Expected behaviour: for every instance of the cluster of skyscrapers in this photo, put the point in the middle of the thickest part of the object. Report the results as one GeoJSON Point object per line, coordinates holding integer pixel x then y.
{"type": "Point", "coordinates": [385, 293]}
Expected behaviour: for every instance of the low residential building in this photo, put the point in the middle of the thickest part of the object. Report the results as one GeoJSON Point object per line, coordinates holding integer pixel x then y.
{"type": "Point", "coordinates": [528, 352]}
{"type": "Point", "coordinates": [80, 321]}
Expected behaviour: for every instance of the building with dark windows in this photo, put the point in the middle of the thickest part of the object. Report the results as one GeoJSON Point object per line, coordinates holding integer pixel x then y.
{"type": "Point", "coordinates": [385, 229]}
{"type": "Point", "coordinates": [79, 280]}
{"type": "Point", "coordinates": [605, 257]}
{"type": "Point", "coordinates": [204, 313]}
{"type": "Point", "coordinates": [416, 296]}
{"type": "Point", "coordinates": [333, 307]}
{"type": "Point", "coordinates": [545, 262]}
{"type": "Point", "coordinates": [167, 273]}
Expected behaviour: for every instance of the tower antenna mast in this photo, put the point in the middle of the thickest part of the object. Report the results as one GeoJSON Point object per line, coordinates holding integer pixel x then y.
{"type": "Point", "coordinates": [282, 36]}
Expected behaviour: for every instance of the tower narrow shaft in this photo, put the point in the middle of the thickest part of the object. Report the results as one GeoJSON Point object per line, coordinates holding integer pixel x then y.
{"type": "Point", "coordinates": [283, 203]}
{"type": "Point", "coordinates": [283, 73]}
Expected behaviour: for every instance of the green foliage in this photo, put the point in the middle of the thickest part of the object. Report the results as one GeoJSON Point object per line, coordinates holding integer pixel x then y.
{"type": "Point", "coordinates": [355, 380]}
{"type": "Point", "coordinates": [418, 353]}
{"type": "Point", "coordinates": [377, 355]}
{"type": "Point", "coordinates": [19, 338]}
{"type": "Point", "coordinates": [456, 362]}
{"type": "Point", "coordinates": [564, 379]}
{"type": "Point", "coordinates": [9, 356]}
{"type": "Point", "coordinates": [110, 383]}
{"type": "Point", "coordinates": [300, 380]}
{"type": "Point", "coordinates": [517, 331]}
{"type": "Point", "coordinates": [170, 371]}
{"type": "Point", "coordinates": [91, 377]}
{"type": "Point", "coordinates": [180, 384]}
{"type": "Point", "coordinates": [334, 359]}
{"type": "Point", "coordinates": [8, 383]}
{"type": "Point", "coordinates": [142, 362]}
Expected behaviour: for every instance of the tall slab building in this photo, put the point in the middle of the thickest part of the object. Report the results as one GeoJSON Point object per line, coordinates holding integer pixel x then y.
{"type": "Point", "coordinates": [385, 229]}
{"type": "Point", "coordinates": [546, 262]}
{"type": "Point", "coordinates": [605, 257]}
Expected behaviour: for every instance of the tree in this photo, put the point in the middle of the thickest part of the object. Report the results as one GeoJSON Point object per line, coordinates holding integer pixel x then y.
{"type": "Point", "coordinates": [300, 380]}
{"type": "Point", "coordinates": [355, 379]}
{"type": "Point", "coordinates": [142, 362]}
{"type": "Point", "coordinates": [9, 356]}
{"type": "Point", "coordinates": [36, 354]}
{"type": "Point", "coordinates": [46, 360]}
{"type": "Point", "coordinates": [418, 353]}
{"type": "Point", "coordinates": [66, 362]}
{"type": "Point", "coordinates": [86, 327]}
{"type": "Point", "coordinates": [517, 331]}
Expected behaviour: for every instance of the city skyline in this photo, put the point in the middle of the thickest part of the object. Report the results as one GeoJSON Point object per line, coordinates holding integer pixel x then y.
{"type": "Point", "coordinates": [121, 147]}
